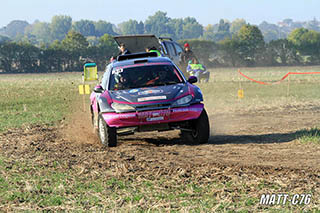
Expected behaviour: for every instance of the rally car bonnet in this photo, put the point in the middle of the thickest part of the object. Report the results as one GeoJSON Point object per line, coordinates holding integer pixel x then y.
{"type": "Point", "coordinates": [150, 95]}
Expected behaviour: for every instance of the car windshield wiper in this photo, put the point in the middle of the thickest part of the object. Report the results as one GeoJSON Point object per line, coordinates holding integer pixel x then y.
{"type": "Point", "coordinates": [135, 87]}
{"type": "Point", "coordinates": [166, 83]}
{"type": "Point", "coordinates": [171, 82]}
{"type": "Point", "coordinates": [154, 85]}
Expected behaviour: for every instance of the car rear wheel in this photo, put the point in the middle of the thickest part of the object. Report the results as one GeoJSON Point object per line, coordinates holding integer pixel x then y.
{"type": "Point", "coordinates": [107, 135]}
{"type": "Point", "coordinates": [200, 130]}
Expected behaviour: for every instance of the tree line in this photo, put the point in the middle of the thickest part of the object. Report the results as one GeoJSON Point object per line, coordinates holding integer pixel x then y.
{"type": "Point", "coordinates": [44, 33]}
{"type": "Point", "coordinates": [248, 48]}
{"type": "Point", "coordinates": [59, 56]}
{"type": "Point", "coordinates": [59, 45]}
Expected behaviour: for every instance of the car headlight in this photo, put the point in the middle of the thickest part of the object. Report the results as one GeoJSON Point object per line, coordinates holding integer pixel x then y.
{"type": "Point", "coordinates": [122, 107]}
{"type": "Point", "coordinates": [182, 101]}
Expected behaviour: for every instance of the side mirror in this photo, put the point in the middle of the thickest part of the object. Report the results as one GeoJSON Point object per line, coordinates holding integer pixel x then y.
{"type": "Point", "coordinates": [98, 89]}
{"type": "Point", "coordinates": [192, 79]}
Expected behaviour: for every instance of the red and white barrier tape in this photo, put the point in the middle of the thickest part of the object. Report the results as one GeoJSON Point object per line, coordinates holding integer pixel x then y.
{"type": "Point", "coordinates": [278, 82]}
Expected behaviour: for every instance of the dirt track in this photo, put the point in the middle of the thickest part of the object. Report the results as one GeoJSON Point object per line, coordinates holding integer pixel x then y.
{"type": "Point", "coordinates": [252, 147]}
{"type": "Point", "coordinates": [251, 139]}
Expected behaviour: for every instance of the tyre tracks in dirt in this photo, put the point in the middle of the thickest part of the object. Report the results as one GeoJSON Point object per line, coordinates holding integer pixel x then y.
{"type": "Point", "coordinates": [255, 161]}
{"type": "Point", "coordinates": [265, 140]}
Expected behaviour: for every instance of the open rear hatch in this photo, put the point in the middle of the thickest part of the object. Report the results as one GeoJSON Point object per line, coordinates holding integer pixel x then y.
{"type": "Point", "coordinates": [138, 43]}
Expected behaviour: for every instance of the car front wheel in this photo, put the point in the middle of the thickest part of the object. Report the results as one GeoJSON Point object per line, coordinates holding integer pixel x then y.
{"type": "Point", "coordinates": [107, 135]}
{"type": "Point", "coordinates": [200, 130]}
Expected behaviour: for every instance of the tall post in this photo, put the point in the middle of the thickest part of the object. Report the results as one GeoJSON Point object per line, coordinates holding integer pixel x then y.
{"type": "Point", "coordinates": [288, 89]}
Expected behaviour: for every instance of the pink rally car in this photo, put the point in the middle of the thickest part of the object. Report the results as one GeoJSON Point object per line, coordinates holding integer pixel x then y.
{"type": "Point", "coordinates": [143, 92]}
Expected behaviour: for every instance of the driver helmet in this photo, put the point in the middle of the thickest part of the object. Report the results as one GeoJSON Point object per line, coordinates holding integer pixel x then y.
{"type": "Point", "coordinates": [162, 74]}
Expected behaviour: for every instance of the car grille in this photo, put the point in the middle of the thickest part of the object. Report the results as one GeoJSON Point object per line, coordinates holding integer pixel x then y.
{"type": "Point", "coordinates": [153, 106]}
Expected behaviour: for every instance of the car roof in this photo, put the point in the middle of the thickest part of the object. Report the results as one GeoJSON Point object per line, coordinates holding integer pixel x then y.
{"type": "Point", "coordinates": [147, 60]}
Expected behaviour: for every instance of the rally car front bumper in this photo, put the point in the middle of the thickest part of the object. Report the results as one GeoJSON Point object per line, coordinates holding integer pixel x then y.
{"type": "Point", "coordinates": [161, 116]}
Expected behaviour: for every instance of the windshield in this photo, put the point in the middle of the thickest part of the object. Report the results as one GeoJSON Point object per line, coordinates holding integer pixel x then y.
{"type": "Point", "coordinates": [144, 76]}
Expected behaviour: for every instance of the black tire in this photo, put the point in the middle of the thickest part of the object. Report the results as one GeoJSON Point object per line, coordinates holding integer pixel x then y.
{"type": "Point", "coordinates": [200, 130]}
{"type": "Point", "coordinates": [107, 135]}
{"type": "Point", "coordinates": [92, 116]}
{"type": "Point", "coordinates": [94, 122]}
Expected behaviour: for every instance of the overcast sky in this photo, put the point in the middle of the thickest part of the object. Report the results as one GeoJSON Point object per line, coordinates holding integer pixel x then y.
{"type": "Point", "coordinates": [117, 11]}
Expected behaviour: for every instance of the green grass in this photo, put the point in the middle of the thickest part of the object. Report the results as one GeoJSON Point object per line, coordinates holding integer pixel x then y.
{"type": "Point", "coordinates": [36, 98]}
{"type": "Point", "coordinates": [221, 94]}
{"type": "Point", "coordinates": [307, 136]}
{"type": "Point", "coordinates": [29, 185]}
{"type": "Point", "coordinates": [26, 184]}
